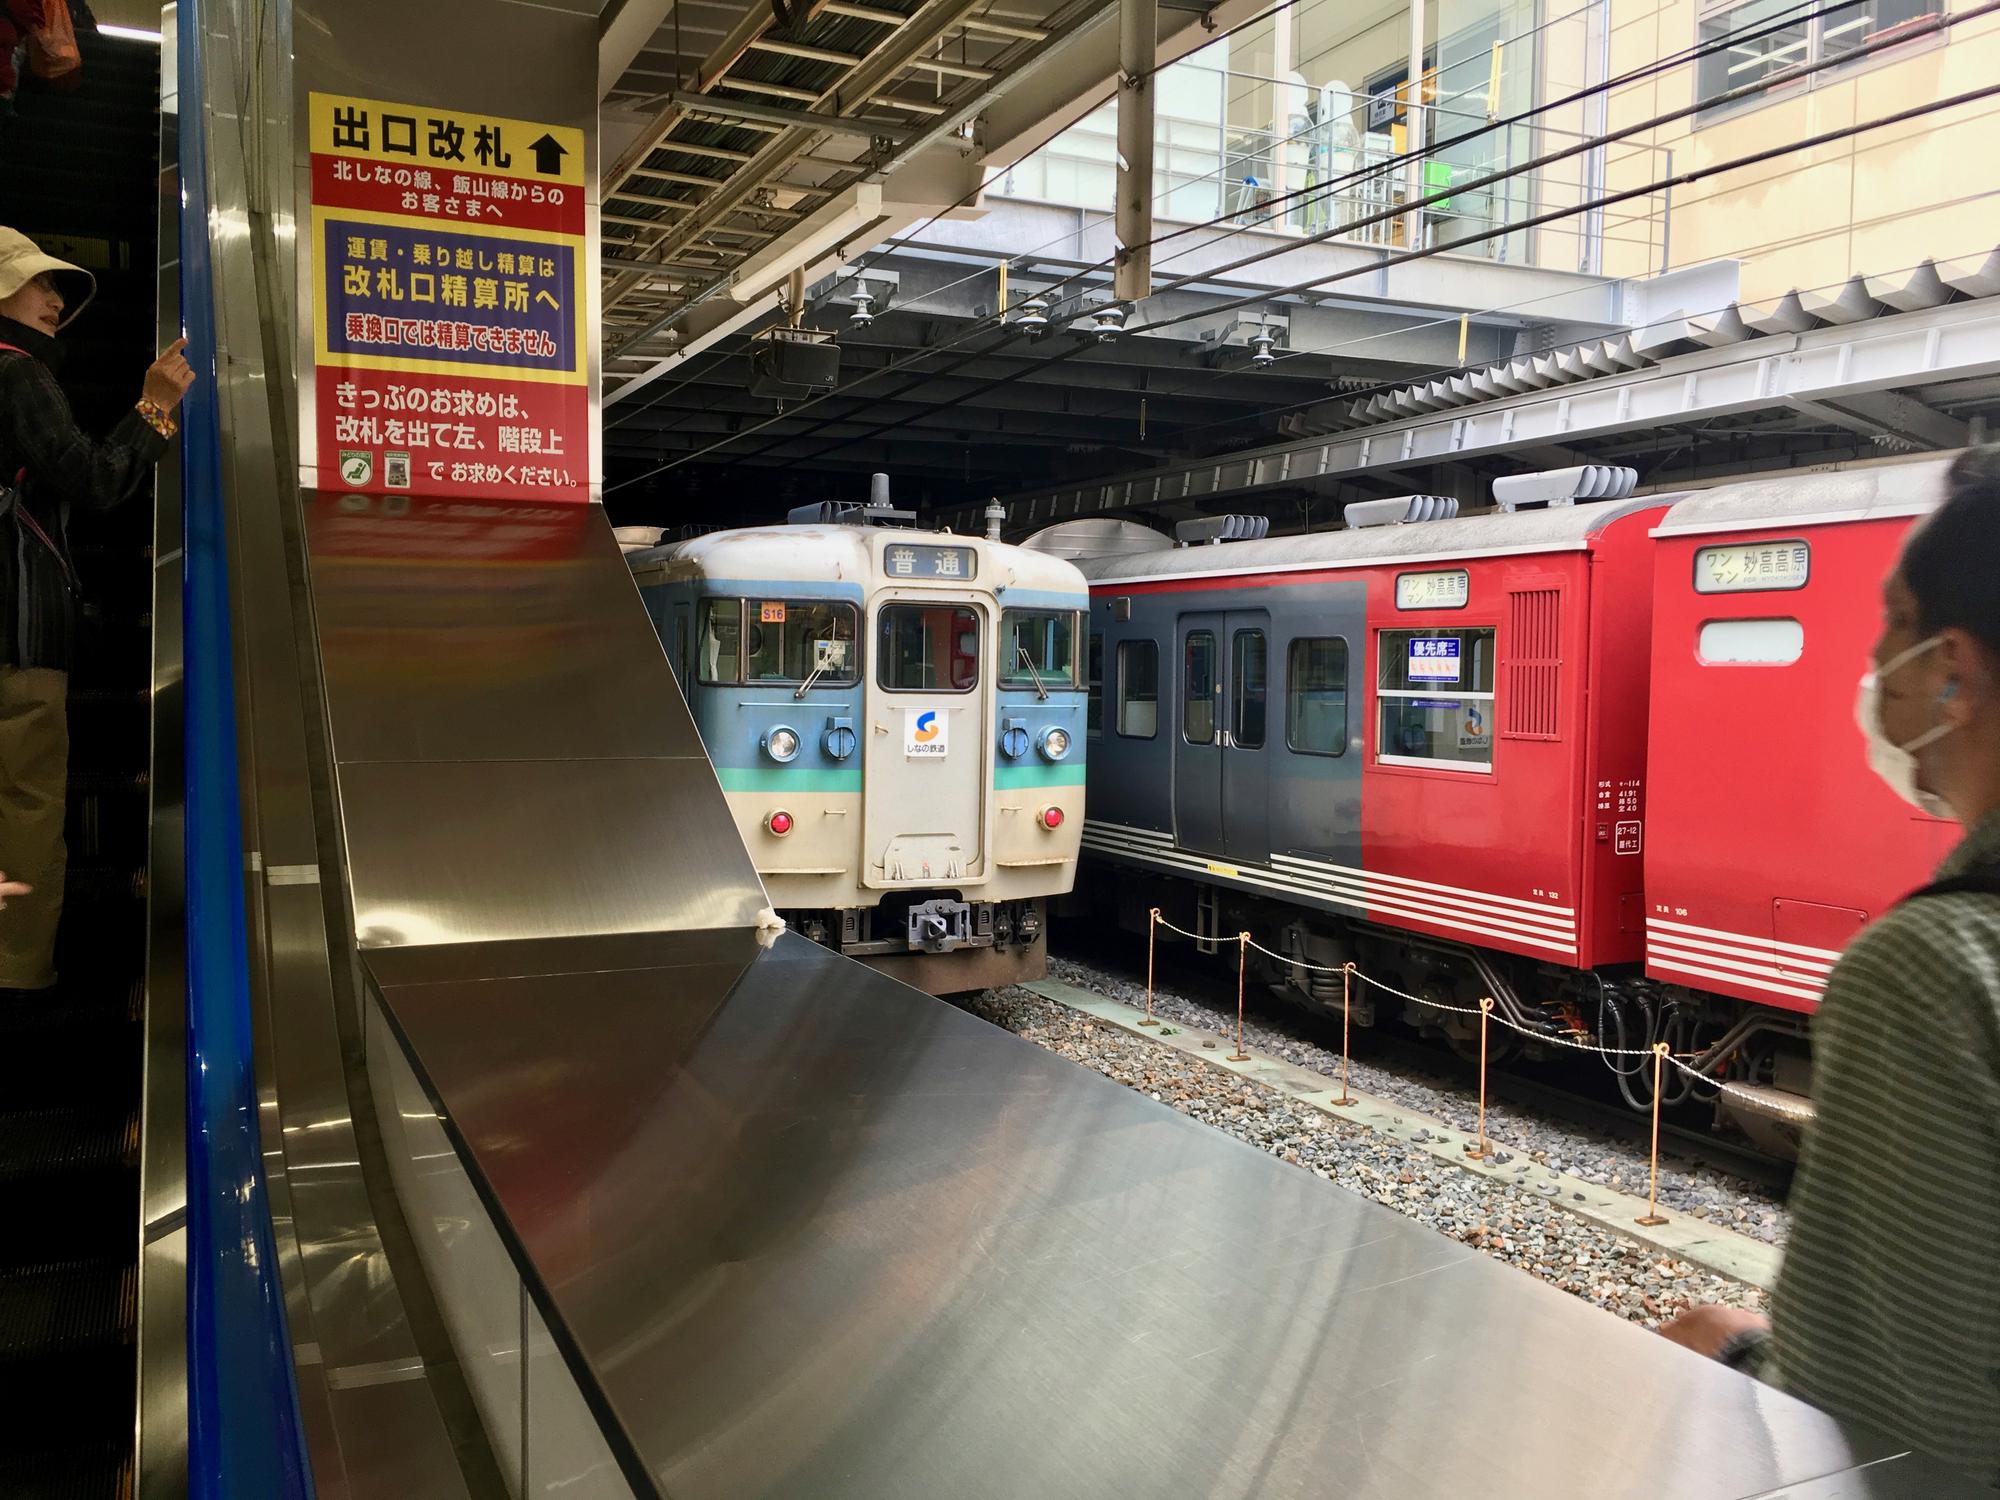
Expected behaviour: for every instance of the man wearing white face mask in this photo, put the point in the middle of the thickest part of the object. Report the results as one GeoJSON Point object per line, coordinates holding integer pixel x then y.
{"type": "Point", "coordinates": [1888, 1307]}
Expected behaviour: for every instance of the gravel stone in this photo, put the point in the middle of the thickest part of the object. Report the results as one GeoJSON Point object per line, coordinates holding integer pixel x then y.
{"type": "Point", "coordinates": [1502, 1220]}
{"type": "Point", "coordinates": [1691, 1187]}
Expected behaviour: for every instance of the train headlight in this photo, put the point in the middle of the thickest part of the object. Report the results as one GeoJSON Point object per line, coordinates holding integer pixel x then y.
{"type": "Point", "coordinates": [1052, 817]}
{"type": "Point", "coordinates": [779, 823]}
{"type": "Point", "coordinates": [782, 744]}
{"type": "Point", "coordinates": [1055, 743]}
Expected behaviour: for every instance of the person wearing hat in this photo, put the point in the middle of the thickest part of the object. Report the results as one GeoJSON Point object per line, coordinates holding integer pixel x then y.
{"type": "Point", "coordinates": [50, 469]}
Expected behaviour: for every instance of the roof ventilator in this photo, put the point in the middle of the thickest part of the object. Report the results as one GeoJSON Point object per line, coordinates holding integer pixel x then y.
{"type": "Point", "coordinates": [1554, 487]}
{"type": "Point", "coordinates": [1212, 529]}
{"type": "Point", "coordinates": [877, 512]}
{"type": "Point", "coordinates": [1400, 510]}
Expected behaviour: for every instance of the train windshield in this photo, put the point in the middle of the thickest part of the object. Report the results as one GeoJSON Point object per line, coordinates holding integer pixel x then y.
{"type": "Point", "coordinates": [927, 648]}
{"type": "Point", "coordinates": [1038, 648]}
{"type": "Point", "coordinates": [791, 640]}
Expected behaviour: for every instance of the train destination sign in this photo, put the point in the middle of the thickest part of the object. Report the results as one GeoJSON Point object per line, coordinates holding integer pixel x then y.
{"type": "Point", "coordinates": [1449, 588]}
{"type": "Point", "coordinates": [951, 564]}
{"type": "Point", "coordinates": [448, 301]}
{"type": "Point", "coordinates": [1752, 567]}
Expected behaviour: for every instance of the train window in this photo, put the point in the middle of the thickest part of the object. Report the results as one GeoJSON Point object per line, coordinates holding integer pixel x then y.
{"type": "Point", "coordinates": [1434, 690]}
{"type": "Point", "coordinates": [721, 636]}
{"type": "Point", "coordinates": [1038, 648]}
{"type": "Point", "coordinates": [1198, 686]}
{"type": "Point", "coordinates": [1246, 690]}
{"type": "Point", "coordinates": [1316, 696]}
{"type": "Point", "coordinates": [926, 648]}
{"type": "Point", "coordinates": [1093, 716]}
{"type": "Point", "coordinates": [1139, 689]}
{"type": "Point", "coordinates": [792, 639]}
{"type": "Point", "coordinates": [1751, 643]}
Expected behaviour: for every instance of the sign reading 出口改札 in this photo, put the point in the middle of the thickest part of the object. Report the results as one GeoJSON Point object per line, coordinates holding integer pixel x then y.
{"type": "Point", "coordinates": [448, 296]}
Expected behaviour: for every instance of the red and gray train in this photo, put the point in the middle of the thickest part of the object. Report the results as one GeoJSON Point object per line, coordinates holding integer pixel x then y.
{"type": "Point", "coordinates": [1593, 758]}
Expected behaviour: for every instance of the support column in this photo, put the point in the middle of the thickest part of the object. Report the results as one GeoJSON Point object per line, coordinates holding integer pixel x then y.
{"type": "Point", "coordinates": [1414, 133]}
{"type": "Point", "coordinates": [1133, 221]}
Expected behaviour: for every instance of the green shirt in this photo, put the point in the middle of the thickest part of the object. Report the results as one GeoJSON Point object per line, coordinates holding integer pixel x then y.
{"type": "Point", "coordinates": [1887, 1310]}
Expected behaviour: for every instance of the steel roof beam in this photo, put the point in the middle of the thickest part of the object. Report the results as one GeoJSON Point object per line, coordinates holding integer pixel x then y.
{"type": "Point", "coordinates": [775, 115]}
{"type": "Point", "coordinates": [1893, 354]}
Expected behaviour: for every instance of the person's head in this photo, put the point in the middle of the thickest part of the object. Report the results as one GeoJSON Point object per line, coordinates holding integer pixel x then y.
{"type": "Point", "coordinates": [36, 290]}
{"type": "Point", "coordinates": [1937, 662]}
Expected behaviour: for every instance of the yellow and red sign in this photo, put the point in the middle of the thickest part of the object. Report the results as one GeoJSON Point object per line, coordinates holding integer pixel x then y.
{"type": "Point", "coordinates": [449, 293]}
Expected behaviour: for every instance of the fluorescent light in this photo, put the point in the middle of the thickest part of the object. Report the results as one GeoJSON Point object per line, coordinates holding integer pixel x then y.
{"type": "Point", "coordinates": [130, 33]}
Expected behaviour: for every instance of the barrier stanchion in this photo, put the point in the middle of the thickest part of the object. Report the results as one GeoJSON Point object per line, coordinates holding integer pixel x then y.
{"type": "Point", "coordinates": [1653, 1215]}
{"type": "Point", "coordinates": [1481, 1148]}
{"type": "Point", "coordinates": [1346, 1005]}
{"type": "Point", "coordinates": [1242, 958]}
{"type": "Point", "coordinates": [1152, 931]}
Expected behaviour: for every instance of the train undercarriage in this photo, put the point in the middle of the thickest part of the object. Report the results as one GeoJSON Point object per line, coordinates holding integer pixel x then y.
{"type": "Point", "coordinates": [935, 940]}
{"type": "Point", "coordinates": [1750, 1063]}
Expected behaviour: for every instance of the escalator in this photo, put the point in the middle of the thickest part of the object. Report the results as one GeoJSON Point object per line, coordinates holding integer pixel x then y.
{"type": "Point", "coordinates": [78, 174]}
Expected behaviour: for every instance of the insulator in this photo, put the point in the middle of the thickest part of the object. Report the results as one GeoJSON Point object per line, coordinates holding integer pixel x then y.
{"type": "Point", "coordinates": [1109, 322]}
{"type": "Point", "coordinates": [1260, 350]}
{"type": "Point", "coordinates": [1034, 314]}
{"type": "Point", "coordinates": [862, 315]}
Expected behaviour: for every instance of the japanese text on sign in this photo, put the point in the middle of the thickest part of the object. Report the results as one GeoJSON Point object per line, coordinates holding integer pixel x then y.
{"type": "Point", "coordinates": [1754, 566]}
{"type": "Point", "coordinates": [1434, 659]}
{"type": "Point", "coordinates": [901, 560]}
{"type": "Point", "coordinates": [1449, 589]}
{"type": "Point", "coordinates": [449, 293]}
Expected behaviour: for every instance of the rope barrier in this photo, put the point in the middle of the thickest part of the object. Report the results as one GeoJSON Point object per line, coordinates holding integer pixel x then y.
{"type": "Point", "coordinates": [1480, 1147]}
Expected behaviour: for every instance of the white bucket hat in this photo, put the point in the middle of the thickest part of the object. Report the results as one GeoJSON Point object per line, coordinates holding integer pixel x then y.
{"type": "Point", "coordinates": [22, 260]}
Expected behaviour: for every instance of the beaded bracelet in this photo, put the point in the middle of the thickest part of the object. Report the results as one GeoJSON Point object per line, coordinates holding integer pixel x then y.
{"type": "Point", "coordinates": [155, 417]}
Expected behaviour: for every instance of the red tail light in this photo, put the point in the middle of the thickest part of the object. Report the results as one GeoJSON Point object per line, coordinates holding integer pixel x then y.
{"type": "Point", "coordinates": [779, 823]}
{"type": "Point", "coordinates": [1052, 817]}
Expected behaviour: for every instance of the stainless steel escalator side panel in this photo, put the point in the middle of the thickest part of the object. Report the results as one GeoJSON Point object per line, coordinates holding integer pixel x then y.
{"type": "Point", "coordinates": [458, 658]}
{"type": "Point", "coordinates": [483, 830]}
{"type": "Point", "coordinates": [808, 1232]}
{"type": "Point", "coordinates": [492, 851]}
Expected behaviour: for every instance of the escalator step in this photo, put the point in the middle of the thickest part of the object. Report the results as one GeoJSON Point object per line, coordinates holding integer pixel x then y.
{"type": "Point", "coordinates": [67, 1309]}
{"type": "Point", "coordinates": [40, 1143]}
{"type": "Point", "coordinates": [98, 1471]}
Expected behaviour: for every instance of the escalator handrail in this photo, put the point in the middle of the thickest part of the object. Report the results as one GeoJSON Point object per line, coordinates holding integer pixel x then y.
{"type": "Point", "coordinates": [244, 1430]}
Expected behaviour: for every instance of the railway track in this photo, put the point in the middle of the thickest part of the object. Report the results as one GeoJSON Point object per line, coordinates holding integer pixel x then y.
{"type": "Point", "coordinates": [1564, 1111]}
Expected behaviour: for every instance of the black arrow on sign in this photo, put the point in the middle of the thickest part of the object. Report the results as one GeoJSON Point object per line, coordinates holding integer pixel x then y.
{"type": "Point", "coordinates": [549, 153]}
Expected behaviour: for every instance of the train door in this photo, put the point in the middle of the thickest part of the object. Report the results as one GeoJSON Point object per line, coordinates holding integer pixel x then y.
{"type": "Point", "coordinates": [1246, 757]}
{"type": "Point", "coordinates": [1198, 734]}
{"type": "Point", "coordinates": [926, 764]}
{"type": "Point", "coordinates": [1221, 764]}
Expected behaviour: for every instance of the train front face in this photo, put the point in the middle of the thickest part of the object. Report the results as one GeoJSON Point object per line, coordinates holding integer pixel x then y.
{"type": "Point", "coordinates": [897, 719]}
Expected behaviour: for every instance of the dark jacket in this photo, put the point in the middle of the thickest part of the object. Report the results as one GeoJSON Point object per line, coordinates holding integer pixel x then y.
{"type": "Point", "coordinates": [65, 471]}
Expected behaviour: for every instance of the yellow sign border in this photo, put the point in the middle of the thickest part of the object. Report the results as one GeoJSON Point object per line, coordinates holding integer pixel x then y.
{"type": "Point", "coordinates": [578, 374]}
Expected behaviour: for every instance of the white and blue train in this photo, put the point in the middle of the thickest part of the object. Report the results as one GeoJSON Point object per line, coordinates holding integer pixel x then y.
{"type": "Point", "coordinates": [897, 719]}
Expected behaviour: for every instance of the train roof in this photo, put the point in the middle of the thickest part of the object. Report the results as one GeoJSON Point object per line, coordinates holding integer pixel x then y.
{"type": "Point", "coordinates": [828, 554]}
{"type": "Point", "coordinates": [1790, 500]}
{"type": "Point", "coordinates": [1562, 528]}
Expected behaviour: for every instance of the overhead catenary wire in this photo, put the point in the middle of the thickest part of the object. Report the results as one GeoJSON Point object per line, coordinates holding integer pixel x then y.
{"type": "Point", "coordinates": [1390, 167]}
{"type": "Point", "coordinates": [1694, 174]}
